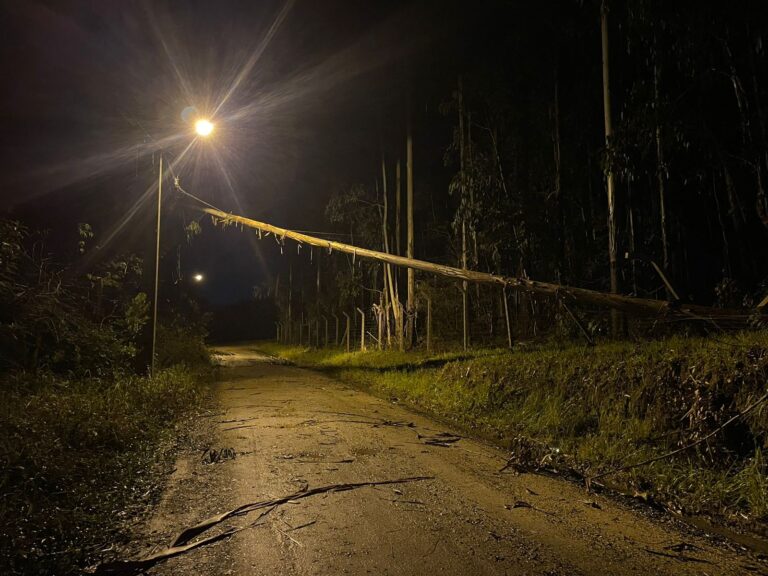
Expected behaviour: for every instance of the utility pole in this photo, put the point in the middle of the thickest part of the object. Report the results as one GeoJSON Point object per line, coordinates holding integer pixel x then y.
{"type": "Point", "coordinates": [612, 249]}
{"type": "Point", "coordinates": [157, 265]}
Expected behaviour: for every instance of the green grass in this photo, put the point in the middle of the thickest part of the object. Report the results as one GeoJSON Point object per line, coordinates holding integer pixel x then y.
{"type": "Point", "coordinates": [594, 409]}
{"type": "Point", "coordinates": [76, 460]}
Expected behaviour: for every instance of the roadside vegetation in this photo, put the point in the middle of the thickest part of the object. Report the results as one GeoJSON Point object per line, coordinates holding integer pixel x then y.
{"type": "Point", "coordinates": [584, 411]}
{"type": "Point", "coordinates": [84, 438]}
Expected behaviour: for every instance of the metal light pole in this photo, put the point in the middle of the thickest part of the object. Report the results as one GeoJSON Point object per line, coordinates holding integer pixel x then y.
{"type": "Point", "coordinates": [157, 264]}
{"type": "Point", "coordinates": [204, 128]}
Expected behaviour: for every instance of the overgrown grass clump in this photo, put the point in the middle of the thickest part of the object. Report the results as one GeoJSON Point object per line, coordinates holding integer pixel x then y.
{"type": "Point", "coordinates": [75, 456]}
{"type": "Point", "coordinates": [79, 431]}
{"type": "Point", "coordinates": [600, 408]}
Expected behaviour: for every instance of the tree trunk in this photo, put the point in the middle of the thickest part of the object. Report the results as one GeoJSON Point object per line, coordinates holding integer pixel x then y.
{"type": "Point", "coordinates": [277, 289]}
{"type": "Point", "coordinates": [661, 173]}
{"type": "Point", "coordinates": [390, 277]}
{"type": "Point", "coordinates": [411, 301]}
{"type": "Point", "coordinates": [616, 320]}
{"type": "Point", "coordinates": [398, 210]}
{"type": "Point", "coordinates": [462, 179]}
{"type": "Point", "coordinates": [727, 266]}
{"type": "Point", "coordinates": [560, 272]}
{"type": "Point", "coordinates": [464, 288]}
{"type": "Point", "coordinates": [632, 248]}
{"type": "Point", "coordinates": [472, 229]}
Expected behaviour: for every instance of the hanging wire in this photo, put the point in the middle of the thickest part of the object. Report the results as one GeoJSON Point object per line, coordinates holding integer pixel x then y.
{"type": "Point", "coordinates": [192, 196]}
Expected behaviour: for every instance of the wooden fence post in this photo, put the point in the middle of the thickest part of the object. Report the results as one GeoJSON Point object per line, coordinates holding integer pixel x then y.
{"type": "Point", "coordinates": [347, 332]}
{"type": "Point", "coordinates": [362, 330]}
{"type": "Point", "coordinates": [337, 328]}
{"type": "Point", "coordinates": [429, 324]}
{"type": "Point", "coordinates": [506, 317]}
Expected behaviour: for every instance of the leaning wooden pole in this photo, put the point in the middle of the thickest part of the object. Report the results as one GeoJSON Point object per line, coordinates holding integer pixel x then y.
{"type": "Point", "coordinates": [570, 293]}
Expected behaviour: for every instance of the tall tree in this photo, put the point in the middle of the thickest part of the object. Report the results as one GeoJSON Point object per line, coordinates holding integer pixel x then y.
{"type": "Point", "coordinates": [609, 171]}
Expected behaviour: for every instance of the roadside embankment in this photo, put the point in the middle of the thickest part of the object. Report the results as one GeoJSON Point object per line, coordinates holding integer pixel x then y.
{"type": "Point", "coordinates": [588, 411]}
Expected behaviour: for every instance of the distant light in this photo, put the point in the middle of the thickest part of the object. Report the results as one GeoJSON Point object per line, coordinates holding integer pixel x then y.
{"type": "Point", "coordinates": [198, 277]}
{"type": "Point", "coordinates": [203, 127]}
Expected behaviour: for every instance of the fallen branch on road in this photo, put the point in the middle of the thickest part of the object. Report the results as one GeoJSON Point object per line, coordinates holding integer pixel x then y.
{"type": "Point", "coordinates": [182, 544]}
{"type": "Point", "coordinates": [189, 533]}
{"type": "Point", "coordinates": [444, 439]}
{"type": "Point", "coordinates": [132, 567]}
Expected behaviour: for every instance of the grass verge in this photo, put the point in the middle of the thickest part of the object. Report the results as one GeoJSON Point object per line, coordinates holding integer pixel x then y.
{"type": "Point", "coordinates": [595, 409]}
{"type": "Point", "coordinates": [77, 461]}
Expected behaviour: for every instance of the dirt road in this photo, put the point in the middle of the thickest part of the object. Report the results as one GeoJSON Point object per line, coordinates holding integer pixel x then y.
{"type": "Point", "coordinates": [292, 429]}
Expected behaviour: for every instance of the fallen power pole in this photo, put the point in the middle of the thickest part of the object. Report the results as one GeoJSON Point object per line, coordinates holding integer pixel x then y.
{"type": "Point", "coordinates": [631, 304]}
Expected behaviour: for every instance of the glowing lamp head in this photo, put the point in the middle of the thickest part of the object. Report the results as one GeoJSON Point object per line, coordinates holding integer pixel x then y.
{"type": "Point", "coordinates": [198, 277]}
{"type": "Point", "coordinates": [203, 127]}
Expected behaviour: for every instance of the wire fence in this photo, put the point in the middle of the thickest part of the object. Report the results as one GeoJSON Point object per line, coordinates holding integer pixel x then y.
{"type": "Point", "coordinates": [495, 318]}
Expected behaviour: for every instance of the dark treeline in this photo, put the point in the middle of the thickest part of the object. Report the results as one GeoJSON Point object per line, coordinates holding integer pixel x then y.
{"type": "Point", "coordinates": [511, 160]}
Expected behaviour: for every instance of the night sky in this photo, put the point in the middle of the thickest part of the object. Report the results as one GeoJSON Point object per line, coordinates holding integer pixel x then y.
{"type": "Point", "coordinates": [306, 95]}
{"type": "Point", "coordinates": [299, 92]}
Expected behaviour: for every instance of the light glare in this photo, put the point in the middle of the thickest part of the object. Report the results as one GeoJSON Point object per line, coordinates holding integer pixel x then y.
{"type": "Point", "coordinates": [198, 277]}
{"type": "Point", "coordinates": [203, 127]}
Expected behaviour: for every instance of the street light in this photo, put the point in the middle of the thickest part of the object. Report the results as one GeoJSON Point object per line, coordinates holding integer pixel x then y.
{"type": "Point", "coordinates": [198, 277]}
{"type": "Point", "coordinates": [203, 127]}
